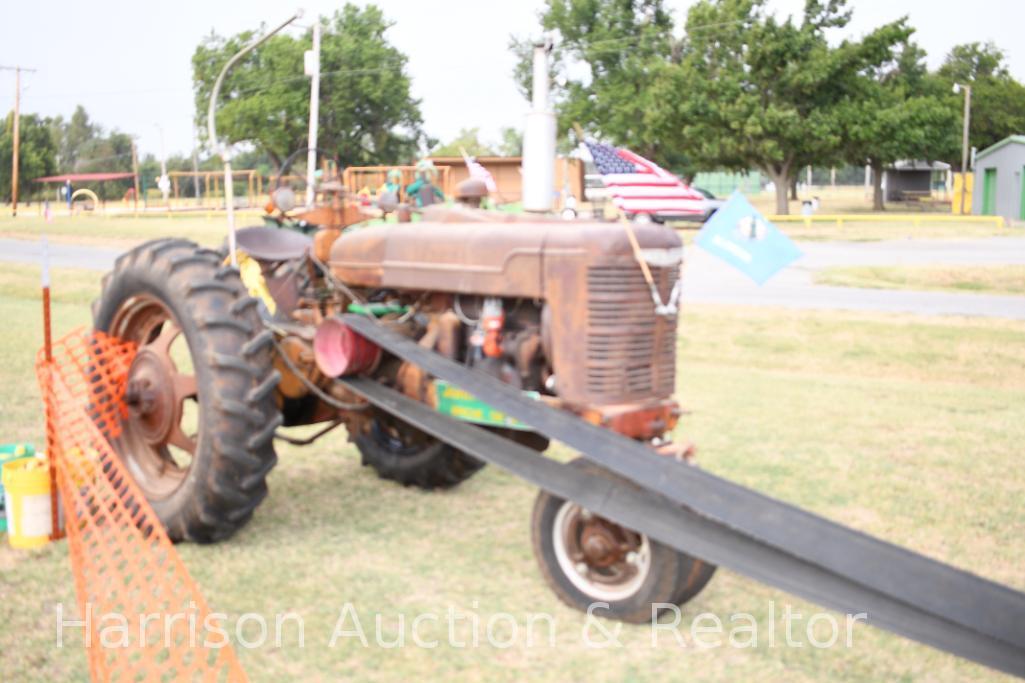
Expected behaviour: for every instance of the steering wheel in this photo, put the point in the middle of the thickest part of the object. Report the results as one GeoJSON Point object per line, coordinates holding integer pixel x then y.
{"type": "Point", "coordinates": [283, 196]}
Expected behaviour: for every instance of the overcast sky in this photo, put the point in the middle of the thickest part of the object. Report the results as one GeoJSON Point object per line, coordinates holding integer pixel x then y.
{"type": "Point", "coordinates": [128, 62]}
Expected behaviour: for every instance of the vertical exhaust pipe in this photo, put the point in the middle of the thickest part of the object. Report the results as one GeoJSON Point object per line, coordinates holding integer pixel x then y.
{"type": "Point", "coordinates": [539, 139]}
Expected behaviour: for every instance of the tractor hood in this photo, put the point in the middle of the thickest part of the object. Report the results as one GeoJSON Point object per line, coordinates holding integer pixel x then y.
{"type": "Point", "coordinates": [486, 253]}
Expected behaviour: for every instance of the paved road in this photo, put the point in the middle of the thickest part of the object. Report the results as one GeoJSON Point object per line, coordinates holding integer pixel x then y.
{"type": "Point", "coordinates": [989, 251]}
{"type": "Point", "coordinates": [708, 280]}
{"type": "Point", "coordinates": [61, 255]}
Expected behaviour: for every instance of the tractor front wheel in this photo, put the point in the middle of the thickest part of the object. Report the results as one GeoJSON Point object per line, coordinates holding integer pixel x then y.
{"type": "Point", "coordinates": [588, 559]}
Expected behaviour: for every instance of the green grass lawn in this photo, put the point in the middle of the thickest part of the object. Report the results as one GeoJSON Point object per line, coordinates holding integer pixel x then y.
{"type": "Point", "coordinates": [125, 230]}
{"type": "Point", "coordinates": [906, 428]}
{"type": "Point", "coordinates": [980, 279]}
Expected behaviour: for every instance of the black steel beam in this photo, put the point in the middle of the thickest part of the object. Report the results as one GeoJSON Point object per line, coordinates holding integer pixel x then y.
{"type": "Point", "coordinates": [729, 525]}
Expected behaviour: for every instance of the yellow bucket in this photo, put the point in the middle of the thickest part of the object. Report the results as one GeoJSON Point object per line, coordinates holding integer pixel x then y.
{"type": "Point", "coordinates": [27, 492]}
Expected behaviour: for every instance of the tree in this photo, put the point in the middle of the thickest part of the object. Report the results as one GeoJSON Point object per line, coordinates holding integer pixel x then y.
{"type": "Point", "coordinates": [468, 139]}
{"type": "Point", "coordinates": [82, 146]}
{"type": "Point", "coordinates": [896, 117]}
{"type": "Point", "coordinates": [972, 61]}
{"type": "Point", "coordinates": [742, 90]}
{"type": "Point", "coordinates": [72, 136]}
{"type": "Point", "coordinates": [998, 100]}
{"type": "Point", "coordinates": [367, 114]}
{"type": "Point", "coordinates": [36, 154]}
{"type": "Point", "coordinates": [624, 47]}
{"type": "Point", "coordinates": [512, 142]}
{"type": "Point", "coordinates": [754, 91]}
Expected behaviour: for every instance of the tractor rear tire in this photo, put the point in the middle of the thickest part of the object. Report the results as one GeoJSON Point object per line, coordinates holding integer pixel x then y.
{"type": "Point", "coordinates": [402, 453]}
{"type": "Point", "coordinates": [157, 293]}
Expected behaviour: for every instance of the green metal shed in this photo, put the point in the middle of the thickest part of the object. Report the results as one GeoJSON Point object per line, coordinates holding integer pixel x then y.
{"type": "Point", "coordinates": [1000, 180]}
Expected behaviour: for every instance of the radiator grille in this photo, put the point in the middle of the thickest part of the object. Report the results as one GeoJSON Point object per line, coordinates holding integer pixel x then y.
{"type": "Point", "coordinates": [631, 352]}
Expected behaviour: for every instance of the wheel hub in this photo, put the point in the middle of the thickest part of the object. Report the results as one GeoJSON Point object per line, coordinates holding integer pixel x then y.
{"type": "Point", "coordinates": [601, 558]}
{"type": "Point", "coordinates": [150, 396]}
{"type": "Point", "coordinates": [600, 545]}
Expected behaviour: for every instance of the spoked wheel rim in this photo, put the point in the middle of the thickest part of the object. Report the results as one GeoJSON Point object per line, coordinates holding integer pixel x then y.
{"type": "Point", "coordinates": [156, 446]}
{"type": "Point", "coordinates": [601, 559]}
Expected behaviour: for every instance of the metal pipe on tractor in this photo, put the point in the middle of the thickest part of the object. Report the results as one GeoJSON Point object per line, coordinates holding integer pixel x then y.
{"type": "Point", "coordinates": [475, 337]}
{"type": "Point", "coordinates": [539, 138]}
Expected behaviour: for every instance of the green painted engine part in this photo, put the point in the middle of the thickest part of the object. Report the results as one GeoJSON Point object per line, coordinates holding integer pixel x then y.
{"type": "Point", "coordinates": [454, 402]}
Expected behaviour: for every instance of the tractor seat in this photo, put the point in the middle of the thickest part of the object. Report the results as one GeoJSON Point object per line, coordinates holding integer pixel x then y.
{"type": "Point", "coordinates": [272, 244]}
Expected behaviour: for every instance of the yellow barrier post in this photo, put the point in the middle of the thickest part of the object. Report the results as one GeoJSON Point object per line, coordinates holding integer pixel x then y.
{"type": "Point", "coordinates": [917, 218]}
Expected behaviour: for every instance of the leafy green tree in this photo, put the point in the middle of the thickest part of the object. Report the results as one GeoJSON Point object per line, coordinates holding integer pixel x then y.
{"type": "Point", "coordinates": [512, 142]}
{"type": "Point", "coordinates": [753, 91]}
{"type": "Point", "coordinates": [895, 116]}
{"type": "Point", "coordinates": [741, 90]}
{"type": "Point", "coordinates": [263, 100]}
{"type": "Point", "coordinates": [72, 136]}
{"type": "Point", "coordinates": [36, 154]}
{"type": "Point", "coordinates": [623, 47]}
{"type": "Point", "coordinates": [367, 114]}
{"type": "Point", "coordinates": [998, 100]}
{"type": "Point", "coordinates": [468, 139]}
{"type": "Point", "coordinates": [972, 61]}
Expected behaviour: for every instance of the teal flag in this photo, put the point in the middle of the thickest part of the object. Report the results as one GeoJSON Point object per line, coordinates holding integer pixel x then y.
{"type": "Point", "coordinates": [738, 234]}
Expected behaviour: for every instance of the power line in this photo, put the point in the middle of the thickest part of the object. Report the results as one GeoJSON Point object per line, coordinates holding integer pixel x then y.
{"type": "Point", "coordinates": [395, 65]}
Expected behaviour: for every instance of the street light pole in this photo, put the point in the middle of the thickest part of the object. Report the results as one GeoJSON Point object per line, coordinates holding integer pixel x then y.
{"type": "Point", "coordinates": [225, 150]}
{"type": "Point", "coordinates": [964, 138]}
{"type": "Point", "coordinates": [313, 71]}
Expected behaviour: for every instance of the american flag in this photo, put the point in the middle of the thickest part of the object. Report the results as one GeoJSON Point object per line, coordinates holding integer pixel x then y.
{"type": "Point", "coordinates": [639, 186]}
{"type": "Point", "coordinates": [478, 171]}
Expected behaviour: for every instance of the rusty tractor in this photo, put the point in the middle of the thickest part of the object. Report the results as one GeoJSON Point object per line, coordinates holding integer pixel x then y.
{"type": "Point", "coordinates": [472, 336]}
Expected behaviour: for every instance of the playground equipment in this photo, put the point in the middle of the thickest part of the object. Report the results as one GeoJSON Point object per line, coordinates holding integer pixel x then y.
{"type": "Point", "coordinates": [211, 193]}
{"type": "Point", "coordinates": [355, 178]}
{"type": "Point", "coordinates": [84, 192]}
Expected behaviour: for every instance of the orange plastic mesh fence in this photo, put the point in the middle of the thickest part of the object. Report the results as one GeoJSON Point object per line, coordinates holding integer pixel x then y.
{"type": "Point", "coordinates": [126, 570]}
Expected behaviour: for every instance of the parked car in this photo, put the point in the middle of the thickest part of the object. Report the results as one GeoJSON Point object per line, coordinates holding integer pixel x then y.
{"type": "Point", "coordinates": [713, 203]}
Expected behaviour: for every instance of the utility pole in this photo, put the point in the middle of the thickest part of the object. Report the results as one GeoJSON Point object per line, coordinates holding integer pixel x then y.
{"type": "Point", "coordinates": [135, 174]}
{"type": "Point", "coordinates": [16, 134]}
{"type": "Point", "coordinates": [312, 69]}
